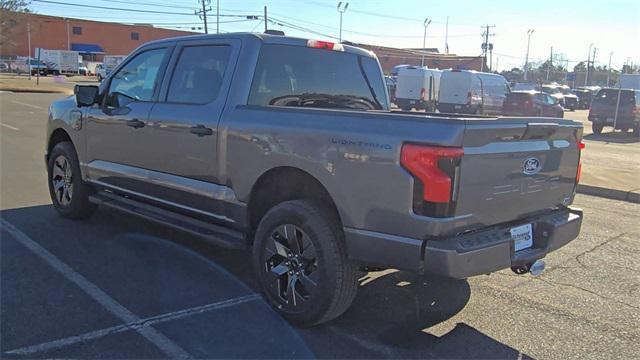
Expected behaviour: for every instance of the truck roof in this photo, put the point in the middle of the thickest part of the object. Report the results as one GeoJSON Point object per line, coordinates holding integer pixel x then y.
{"type": "Point", "coordinates": [265, 38]}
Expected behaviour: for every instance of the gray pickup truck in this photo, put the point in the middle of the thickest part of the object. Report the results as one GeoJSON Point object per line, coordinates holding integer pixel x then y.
{"type": "Point", "coordinates": [288, 147]}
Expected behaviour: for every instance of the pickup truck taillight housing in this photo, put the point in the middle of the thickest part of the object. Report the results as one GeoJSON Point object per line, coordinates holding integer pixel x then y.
{"type": "Point", "coordinates": [436, 171]}
{"type": "Point", "coordinates": [581, 146]}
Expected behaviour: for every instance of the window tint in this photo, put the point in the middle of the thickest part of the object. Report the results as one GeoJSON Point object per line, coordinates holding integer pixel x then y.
{"type": "Point", "coordinates": [198, 74]}
{"type": "Point", "coordinates": [137, 80]}
{"type": "Point", "coordinates": [610, 96]}
{"type": "Point", "coordinates": [306, 77]}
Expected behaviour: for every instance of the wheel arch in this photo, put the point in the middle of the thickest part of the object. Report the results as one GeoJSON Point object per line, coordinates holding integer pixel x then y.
{"type": "Point", "coordinates": [57, 136]}
{"type": "Point", "coordinates": [286, 183]}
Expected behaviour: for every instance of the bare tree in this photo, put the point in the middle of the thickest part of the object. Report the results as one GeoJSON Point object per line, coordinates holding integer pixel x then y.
{"type": "Point", "coordinates": [9, 15]}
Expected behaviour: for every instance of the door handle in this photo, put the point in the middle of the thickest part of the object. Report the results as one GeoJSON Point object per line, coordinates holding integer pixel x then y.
{"type": "Point", "coordinates": [135, 123]}
{"type": "Point", "coordinates": [200, 130]}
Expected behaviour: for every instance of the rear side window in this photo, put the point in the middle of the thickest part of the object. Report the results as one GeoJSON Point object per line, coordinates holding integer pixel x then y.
{"type": "Point", "coordinates": [514, 96]}
{"type": "Point", "coordinates": [610, 96]}
{"type": "Point", "coordinates": [305, 77]}
{"type": "Point", "coordinates": [197, 77]}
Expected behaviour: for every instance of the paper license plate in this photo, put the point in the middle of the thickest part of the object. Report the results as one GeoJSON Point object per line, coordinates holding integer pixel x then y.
{"type": "Point", "coordinates": [522, 236]}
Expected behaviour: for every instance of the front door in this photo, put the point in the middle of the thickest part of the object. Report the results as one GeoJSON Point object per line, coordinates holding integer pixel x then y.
{"type": "Point", "coordinates": [113, 126]}
{"type": "Point", "coordinates": [180, 135]}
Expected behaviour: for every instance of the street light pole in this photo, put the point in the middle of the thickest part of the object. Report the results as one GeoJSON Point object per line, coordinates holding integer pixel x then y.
{"type": "Point", "coordinates": [342, 10]}
{"type": "Point", "coordinates": [586, 76]}
{"type": "Point", "coordinates": [424, 39]}
{"type": "Point", "coordinates": [526, 59]}
{"type": "Point", "coordinates": [609, 68]}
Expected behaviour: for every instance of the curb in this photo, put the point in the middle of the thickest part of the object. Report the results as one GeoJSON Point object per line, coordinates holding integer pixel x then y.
{"type": "Point", "coordinates": [612, 194]}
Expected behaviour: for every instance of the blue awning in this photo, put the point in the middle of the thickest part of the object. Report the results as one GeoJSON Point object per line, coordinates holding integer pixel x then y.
{"type": "Point", "coordinates": [87, 48]}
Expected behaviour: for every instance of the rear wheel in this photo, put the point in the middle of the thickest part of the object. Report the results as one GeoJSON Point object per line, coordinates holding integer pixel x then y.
{"type": "Point", "coordinates": [597, 128]}
{"type": "Point", "coordinates": [300, 258]}
{"type": "Point", "coordinates": [69, 193]}
{"type": "Point", "coordinates": [636, 130]}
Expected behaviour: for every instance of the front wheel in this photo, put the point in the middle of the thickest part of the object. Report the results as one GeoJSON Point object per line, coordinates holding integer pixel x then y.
{"type": "Point", "coordinates": [597, 128]}
{"type": "Point", "coordinates": [69, 193]}
{"type": "Point", "coordinates": [300, 259]}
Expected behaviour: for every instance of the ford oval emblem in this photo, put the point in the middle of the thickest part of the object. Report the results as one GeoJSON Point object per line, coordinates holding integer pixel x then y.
{"type": "Point", "coordinates": [531, 166]}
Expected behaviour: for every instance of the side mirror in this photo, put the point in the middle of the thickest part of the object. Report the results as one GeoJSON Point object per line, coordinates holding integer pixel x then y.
{"type": "Point", "coordinates": [86, 95]}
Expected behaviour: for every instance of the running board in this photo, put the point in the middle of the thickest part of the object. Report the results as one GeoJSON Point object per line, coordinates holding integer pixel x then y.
{"type": "Point", "coordinates": [215, 234]}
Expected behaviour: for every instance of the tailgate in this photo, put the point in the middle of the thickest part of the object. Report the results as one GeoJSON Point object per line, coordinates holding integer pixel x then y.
{"type": "Point", "coordinates": [516, 167]}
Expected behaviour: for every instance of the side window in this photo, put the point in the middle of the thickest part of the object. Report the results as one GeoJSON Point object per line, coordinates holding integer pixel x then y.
{"type": "Point", "coordinates": [550, 100]}
{"type": "Point", "coordinates": [198, 74]}
{"type": "Point", "coordinates": [137, 80]}
{"type": "Point", "coordinates": [541, 98]}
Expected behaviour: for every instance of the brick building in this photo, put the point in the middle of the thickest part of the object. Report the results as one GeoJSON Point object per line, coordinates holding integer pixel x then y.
{"type": "Point", "coordinates": [91, 38]}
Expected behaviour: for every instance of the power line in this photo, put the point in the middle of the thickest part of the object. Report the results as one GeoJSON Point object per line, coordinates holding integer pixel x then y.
{"type": "Point", "coordinates": [114, 8]}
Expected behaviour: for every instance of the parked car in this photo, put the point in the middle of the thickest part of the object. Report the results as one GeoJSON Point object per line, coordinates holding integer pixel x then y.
{"type": "Point", "coordinates": [391, 88]}
{"type": "Point", "coordinates": [82, 69]}
{"type": "Point", "coordinates": [302, 161]}
{"type": "Point", "coordinates": [471, 92]}
{"type": "Point", "coordinates": [563, 94]}
{"type": "Point", "coordinates": [37, 67]}
{"type": "Point", "coordinates": [603, 110]}
{"type": "Point", "coordinates": [417, 88]}
{"type": "Point", "coordinates": [531, 103]}
{"type": "Point", "coordinates": [4, 67]}
{"type": "Point", "coordinates": [584, 98]}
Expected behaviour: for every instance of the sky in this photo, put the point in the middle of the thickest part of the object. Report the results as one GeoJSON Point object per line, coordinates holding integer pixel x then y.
{"type": "Point", "coordinates": [569, 26]}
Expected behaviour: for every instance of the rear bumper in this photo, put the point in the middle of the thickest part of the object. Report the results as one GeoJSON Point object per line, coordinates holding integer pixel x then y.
{"type": "Point", "coordinates": [623, 120]}
{"type": "Point", "coordinates": [477, 253]}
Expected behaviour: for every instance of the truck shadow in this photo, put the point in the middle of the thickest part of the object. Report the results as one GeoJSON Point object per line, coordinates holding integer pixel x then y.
{"type": "Point", "coordinates": [395, 314]}
{"type": "Point", "coordinates": [614, 137]}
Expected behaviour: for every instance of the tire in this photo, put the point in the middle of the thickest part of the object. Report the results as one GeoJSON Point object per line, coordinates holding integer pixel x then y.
{"type": "Point", "coordinates": [636, 131]}
{"type": "Point", "coordinates": [597, 128]}
{"type": "Point", "coordinates": [324, 281]}
{"type": "Point", "coordinates": [69, 193]}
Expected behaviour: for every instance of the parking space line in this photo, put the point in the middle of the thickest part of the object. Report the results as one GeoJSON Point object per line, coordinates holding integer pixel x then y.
{"type": "Point", "coordinates": [28, 105]}
{"type": "Point", "coordinates": [132, 326]}
{"type": "Point", "coordinates": [9, 127]}
{"type": "Point", "coordinates": [165, 344]}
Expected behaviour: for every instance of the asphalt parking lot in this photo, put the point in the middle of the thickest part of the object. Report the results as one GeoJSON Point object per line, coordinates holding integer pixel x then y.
{"type": "Point", "coordinates": [120, 287]}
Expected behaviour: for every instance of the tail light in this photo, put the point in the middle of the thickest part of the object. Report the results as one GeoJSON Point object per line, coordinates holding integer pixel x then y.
{"type": "Point", "coordinates": [436, 170]}
{"type": "Point", "coordinates": [423, 93]}
{"type": "Point", "coordinates": [326, 45]}
{"type": "Point", "coordinates": [581, 146]}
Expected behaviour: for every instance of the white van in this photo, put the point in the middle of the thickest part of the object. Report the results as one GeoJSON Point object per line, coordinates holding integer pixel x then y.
{"type": "Point", "coordinates": [417, 88]}
{"type": "Point", "coordinates": [472, 92]}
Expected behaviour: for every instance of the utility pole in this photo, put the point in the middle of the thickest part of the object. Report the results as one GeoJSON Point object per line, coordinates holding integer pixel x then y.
{"type": "Point", "coordinates": [609, 69]}
{"type": "Point", "coordinates": [593, 63]}
{"type": "Point", "coordinates": [342, 10]}
{"type": "Point", "coordinates": [485, 45]}
{"type": "Point", "coordinates": [550, 63]}
{"type": "Point", "coordinates": [29, 41]}
{"type": "Point", "coordinates": [586, 76]}
{"type": "Point", "coordinates": [446, 37]}
{"type": "Point", "coordinates": [265, 19]}
{"type": "Point", "coordinates": [424, 39]}
{"type": "Point", "coordinates": [526, 59]}
{"type": "Point", "coordinates": [68, 37]}
{"type": "Point", "coordinates": [203, 14]}
{"type": "Point", "coordinates": [217, 16]}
